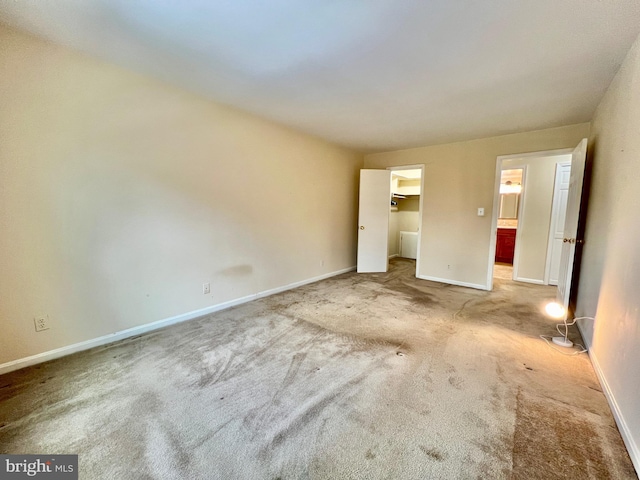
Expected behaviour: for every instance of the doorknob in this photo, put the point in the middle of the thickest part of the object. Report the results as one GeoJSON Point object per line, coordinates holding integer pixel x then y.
{"type": "Point", "coordinates": [361, 227]}
{"type": "Point", "coordinates": [565, 240]}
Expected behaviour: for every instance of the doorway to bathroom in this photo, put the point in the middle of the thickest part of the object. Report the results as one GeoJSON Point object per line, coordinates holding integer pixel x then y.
{"type": "Point", "coordinates": [529, 215]}
{"type": "Point", "coordinates": [511, 180]}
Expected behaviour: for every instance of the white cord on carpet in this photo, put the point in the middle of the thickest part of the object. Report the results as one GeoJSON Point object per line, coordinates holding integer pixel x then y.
{"type": "Point", "coordinates": [547, 338]}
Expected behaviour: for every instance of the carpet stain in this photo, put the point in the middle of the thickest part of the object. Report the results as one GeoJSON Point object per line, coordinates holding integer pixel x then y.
{"type": "Point", "coordinates": [476, 420]}
{"type": "Point", "coordinates": [412, 293]}
{"type": "Point", "coordinates": [456, 382]}
{"type": "Point", "coordinates": [237, 270]}
{"type": "Point", "coordinates": [433, 453]}
{"type": "Point", "coordinates": [552, 441]}
{"type": "Point", "coordinates": [458, 313]}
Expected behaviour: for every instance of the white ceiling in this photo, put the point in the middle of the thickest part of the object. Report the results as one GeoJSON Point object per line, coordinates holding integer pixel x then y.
{"type": "Point", "coordinates": [373, 75]}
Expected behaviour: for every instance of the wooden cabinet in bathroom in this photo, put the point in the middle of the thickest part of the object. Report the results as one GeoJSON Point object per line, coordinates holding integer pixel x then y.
{"type": "Point", "coordinates": [505, 245]}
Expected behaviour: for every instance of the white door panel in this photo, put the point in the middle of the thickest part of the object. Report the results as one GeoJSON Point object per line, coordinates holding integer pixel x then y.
{"type": "Point", "coordinates": [373, 220]}
{"type": "Point", "coordinates": [555, 261]}
{"type": "Point", "coordinates": [558, 217]}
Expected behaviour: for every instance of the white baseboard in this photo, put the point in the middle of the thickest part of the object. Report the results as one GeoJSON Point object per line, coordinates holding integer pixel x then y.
{"type": "Point", "coordinates": [535, 281]}
{"type": "Point", "coordinates": [393, 256]}
{"type": "Point", "coordinates": [148, 327]}
{"type": "Point", "coordinates": [625, 431]}
{"type": "Point", "coordinates": [453, 282]}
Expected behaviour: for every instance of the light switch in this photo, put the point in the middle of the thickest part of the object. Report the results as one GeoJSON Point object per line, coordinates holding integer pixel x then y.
{"type": "Point", "coordinates": [481, 212]}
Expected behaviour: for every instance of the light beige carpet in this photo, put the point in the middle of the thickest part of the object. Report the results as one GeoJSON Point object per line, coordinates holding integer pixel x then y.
{"type": "Point", "coordinates": [367, 376]}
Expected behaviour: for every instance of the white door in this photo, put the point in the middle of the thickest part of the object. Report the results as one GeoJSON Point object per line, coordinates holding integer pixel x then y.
{"type": "Point", "coordinates": [373, 220]}
{"type": "Point", "coordinates": [574, 197]}
{"type": "Point", "coordinates": [558, 215]}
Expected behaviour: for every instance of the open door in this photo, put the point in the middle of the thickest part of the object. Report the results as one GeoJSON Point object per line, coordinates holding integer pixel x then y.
{"type": "Point", "coordinates": [373, 220]}
{"type": "Point", "coordinates": [556, 231]}
{"type": "Point", "coordinates": [569, 240]}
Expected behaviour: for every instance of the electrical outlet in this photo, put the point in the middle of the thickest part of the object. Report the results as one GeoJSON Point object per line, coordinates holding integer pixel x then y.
{"type": "Point", "coordinates": [206, 288]}
{"type": "Point", "coordinates": [41, 323]}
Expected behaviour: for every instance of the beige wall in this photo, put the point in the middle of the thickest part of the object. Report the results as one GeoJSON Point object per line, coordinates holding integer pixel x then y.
{"type": "Point", "coordinates": [393, 233]}
{"type": "Point", "coordinates": [408, 214]}
{"type": "Point", "coordinates": [459, 178]}
{"type": "Point", "coordinates": [120, 196]}
{"type": "Point", "coordinates": [405, 219]}
{"type": "Point", "coordinates": [609, 287]}
{"type": "Point", "coordinates": [535, 219]}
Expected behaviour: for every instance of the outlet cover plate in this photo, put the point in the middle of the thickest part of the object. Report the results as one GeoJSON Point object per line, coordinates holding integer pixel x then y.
{"type": "Point", "coordinates": [41, 323]}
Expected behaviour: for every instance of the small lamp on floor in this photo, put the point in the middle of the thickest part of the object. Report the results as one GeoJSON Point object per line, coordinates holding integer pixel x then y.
{"type": "Point", "coordinates": [555, 310]}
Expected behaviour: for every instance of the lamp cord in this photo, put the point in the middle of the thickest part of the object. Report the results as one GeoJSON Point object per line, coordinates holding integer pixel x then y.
{"type": "Point", "coordinates": [566, 325]}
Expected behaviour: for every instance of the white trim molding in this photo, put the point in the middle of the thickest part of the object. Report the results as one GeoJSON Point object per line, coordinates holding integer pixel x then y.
{"type": "Point", "coordinates": [477, 286]}
{"type": "Point", "coordinates": [543, 153]}
{"type": "Point", "coordinates": [625, 431]}
{"type": "Point", "coordinates": [535, 281]}
{"type": "Point", "coordinates": [148, 327]}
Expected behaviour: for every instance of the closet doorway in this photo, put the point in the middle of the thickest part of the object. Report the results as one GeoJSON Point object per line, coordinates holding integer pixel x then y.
{"type": "Point", "coordinates": [405, 212]}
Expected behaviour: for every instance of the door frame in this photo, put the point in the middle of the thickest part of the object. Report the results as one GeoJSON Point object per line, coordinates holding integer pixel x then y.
{"type": "Point", "coordinates": [420, 206]}
{"type": "Point", "coordinates": [496, 204]}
